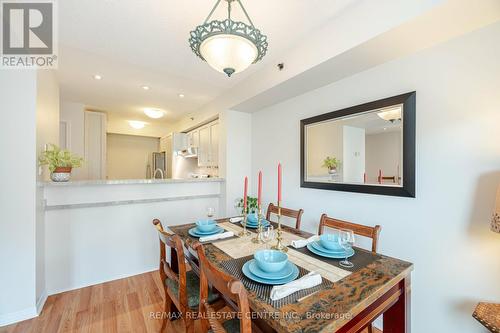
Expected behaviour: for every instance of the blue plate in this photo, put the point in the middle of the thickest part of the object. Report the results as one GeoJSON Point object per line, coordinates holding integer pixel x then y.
{"type": "Point", "coordinates": [333, 255]}
{"type": "Point", "coordinates": [318, 246]}
{"type": "Point", "coordinates": [194, 232]}
{"type": "Point", "coordinates": [254, 226]}
{"type": "Point", "coordinates": [207, 233]}
{"type": "Point", "coordinates": [283, 274]}
{"type": "Point", "coordinates": [246, 271]}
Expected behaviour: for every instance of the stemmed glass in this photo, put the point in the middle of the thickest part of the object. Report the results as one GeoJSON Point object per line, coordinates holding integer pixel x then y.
{"type": "Point", "coordinates": [346, 241]}
{"type": "Point", "coordinates": [268, 235]}
{"type": "Point", "coordinates": [210, 212]}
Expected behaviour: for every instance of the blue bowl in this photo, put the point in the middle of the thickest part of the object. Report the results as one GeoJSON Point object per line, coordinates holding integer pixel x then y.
{"type": "Point", "coordinates": [270, 260]}
{"type": "Point", "coordinates": [330, 242]}
{"type": "Point", "coordinates": [206, 225]}
{"type": "Point", "coordinates": [252, 218]}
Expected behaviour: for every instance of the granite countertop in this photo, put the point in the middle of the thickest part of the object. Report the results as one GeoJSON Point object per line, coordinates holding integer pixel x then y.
{"type": "Point", "coordinates": [130, 181]}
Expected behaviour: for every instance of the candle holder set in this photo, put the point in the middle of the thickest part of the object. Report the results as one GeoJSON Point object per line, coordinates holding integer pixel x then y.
{"type": "Point", "coordinates": [244, 232]}
{"type": "Point", "coordinates": [279, 234]}
{"type": "Point", "coordinates": [258, 236]}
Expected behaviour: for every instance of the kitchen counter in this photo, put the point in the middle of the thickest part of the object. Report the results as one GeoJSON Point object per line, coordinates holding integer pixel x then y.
{"type": "Point", "coordinates": [130, 181]}
{"type": "Point", "coordinates": [98, 231]}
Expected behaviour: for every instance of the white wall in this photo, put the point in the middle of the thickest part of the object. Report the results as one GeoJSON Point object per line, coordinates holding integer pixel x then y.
{"type": "Point", "coordinates": [444, 231]}
{"type": "Point", "coordinates": [383, 152]}
{"type": "Point", "coordinates": [73, 114]}
{"type": "Point", "coordinates": [234, 155]}
{"type": "Point", "coordinates": [353, 154]}
{"type": "Point", "coordinates": [91, 245]}
{"type": "Point", "coordinates": [47, 131]}
{"type": "Point", "coordinates": [17, 195]}
{"type": "Point", "coordinates": [129, 155]}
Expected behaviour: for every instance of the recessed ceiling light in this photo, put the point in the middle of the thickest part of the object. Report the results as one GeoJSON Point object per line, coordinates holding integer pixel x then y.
{"type": "Point", "coordinates": [154, 113]}
{"type": "Point", "coordinates": [136, 124]}
{"type": "Point", "coordinates": [145, 87]}
{"type": "Point", "coordinates": [181, 95]}
{"type": "Point", "coordinates": [97, 77]}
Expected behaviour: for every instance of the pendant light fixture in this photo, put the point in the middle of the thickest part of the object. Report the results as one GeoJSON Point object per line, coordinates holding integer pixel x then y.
{"type": "Point", "coordinates": [228, 46]}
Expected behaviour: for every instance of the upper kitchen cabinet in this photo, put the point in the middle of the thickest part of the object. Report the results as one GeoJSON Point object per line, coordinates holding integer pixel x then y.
{"type": "Point", "coordinates": [193, 139]}
{"type": "Point", "coordinates": [95, 144]}
{"type": "Point", "coordinates": [208, 147]}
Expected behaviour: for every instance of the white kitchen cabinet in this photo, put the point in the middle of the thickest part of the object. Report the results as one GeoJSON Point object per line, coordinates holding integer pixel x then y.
{"type": "Point", "coordinates": [208, 147]}
{"type": "Point", "coordinates": [204, 146]}
{"type": "Point", "coordinates": [194, 138]}
{"type": "Point", "coordinates": [95, 145]}
{"type": "Point", "coordinates": [163, 143]}
{"type": "Point", "coordinates": [214, 144]}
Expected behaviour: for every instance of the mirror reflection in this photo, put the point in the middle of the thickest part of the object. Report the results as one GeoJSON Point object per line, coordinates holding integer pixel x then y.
{"type": "Point", "coordinates": [365, 148]}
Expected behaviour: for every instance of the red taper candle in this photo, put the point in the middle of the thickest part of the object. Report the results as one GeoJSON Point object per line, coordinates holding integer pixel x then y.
{"type": "Point", "coordinates": [279, 184]}
{"type": "Point", "coordinates": [245, 195]}
{"type": "Point", "coordinates": [259, 197]}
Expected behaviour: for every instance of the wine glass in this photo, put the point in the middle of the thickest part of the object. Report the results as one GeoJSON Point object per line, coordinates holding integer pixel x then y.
{"type": "Point", "coordinates": [238, 206]}
{"type": "Point", "coordinates": [268, 235]}
{"type": "Point", "coordinates": [346, 241]}
{"type": "Point", "coordinates": [210, 212]}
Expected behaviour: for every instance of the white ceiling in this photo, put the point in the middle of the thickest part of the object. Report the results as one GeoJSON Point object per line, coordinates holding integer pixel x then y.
{"type": "Point", "coordinates": [132, 43]}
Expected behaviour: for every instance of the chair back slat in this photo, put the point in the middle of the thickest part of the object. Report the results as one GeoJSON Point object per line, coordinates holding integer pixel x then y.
{"type": "Point", "coordinates": [294, 214]}
{"type": "Point", "coordinates": [225, 284]}
{"type": "Point", "coordinates": [358, 229]}
{"type": "Point", "coordinates": [166, 269]}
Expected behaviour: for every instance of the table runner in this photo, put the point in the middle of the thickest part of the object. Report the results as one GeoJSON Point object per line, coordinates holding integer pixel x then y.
{"type": "Point", "coordinates": [243, 247]}
{"type": "Point", "coordinates": [263, 291]}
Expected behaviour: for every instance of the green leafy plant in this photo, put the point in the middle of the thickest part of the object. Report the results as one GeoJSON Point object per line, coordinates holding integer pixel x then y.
{"type": "Point", "coordinates": [251, 205]}
{"type": "Point", "coordinates": [55, 157]}
{"type": "Point", "coordinates": [331, 162]}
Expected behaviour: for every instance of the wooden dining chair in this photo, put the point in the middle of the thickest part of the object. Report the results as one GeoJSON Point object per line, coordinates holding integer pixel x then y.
{"type": "Point", "coordinates": [358, 229]}
{"type": "Point", "coordinates": [182, 288]}
{"type": "Point", "coordinates": [294, 214]}
{"type": "Point", "coordinates": [231, 288]}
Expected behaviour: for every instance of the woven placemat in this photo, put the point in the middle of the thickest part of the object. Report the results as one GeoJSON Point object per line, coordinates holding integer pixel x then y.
{"type": "Point", "coordinates": [263, 291]}
{"type": "Point", "coordinates": [360, 259]}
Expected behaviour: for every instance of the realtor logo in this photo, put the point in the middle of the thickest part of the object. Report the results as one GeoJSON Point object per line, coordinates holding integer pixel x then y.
{"type": "Point", "coordinates": [28, 34]}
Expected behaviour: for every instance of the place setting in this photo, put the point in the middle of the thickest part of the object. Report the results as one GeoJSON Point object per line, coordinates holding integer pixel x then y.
{"type": "Point", "coordinates": [269, 272]}
{"type": "Point", "coordinates": [207, 230]}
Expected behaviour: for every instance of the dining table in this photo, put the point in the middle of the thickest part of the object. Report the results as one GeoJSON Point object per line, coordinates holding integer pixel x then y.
{"type": "Point", "coordinates": [348, 300]}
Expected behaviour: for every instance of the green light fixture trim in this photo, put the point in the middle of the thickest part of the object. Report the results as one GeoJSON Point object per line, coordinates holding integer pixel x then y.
{"type": "Point", "coordinates": [228, 46]}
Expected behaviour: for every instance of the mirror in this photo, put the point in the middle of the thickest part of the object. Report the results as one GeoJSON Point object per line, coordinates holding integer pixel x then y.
{"type": "Point", "coordinates": [368, 148]}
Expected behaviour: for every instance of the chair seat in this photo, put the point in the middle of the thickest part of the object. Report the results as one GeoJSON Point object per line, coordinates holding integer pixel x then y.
{"type": "Point", "coordinates": [231, 326]}
{"type": "Point", "coordinates": [193, 290]}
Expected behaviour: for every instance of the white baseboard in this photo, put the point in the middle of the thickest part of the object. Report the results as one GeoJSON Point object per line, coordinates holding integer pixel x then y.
{"type": "Point", "coordinates": [28, 313]}
{"type": "Point", "coordinates": [14, 317]}
{"type": "Point", "coordinates": [59, 290]}
{"type": "Point", "coordinates": [41, 302]}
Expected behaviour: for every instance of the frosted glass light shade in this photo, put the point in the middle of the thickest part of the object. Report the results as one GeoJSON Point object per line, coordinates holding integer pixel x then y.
{"type": "Point", "coordinates": [154, 113]}
{"type": "Point", "coordinates": [390, 114]}
{"type": "Point", "coordinates": [136, 124]}
{"type": "Point", "coordinates": [228, 53]}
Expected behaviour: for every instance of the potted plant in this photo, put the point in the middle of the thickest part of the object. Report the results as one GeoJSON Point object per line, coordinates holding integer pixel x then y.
{"type": "Point", "coordinates": [331, 163]}
{"type": "Point", "coordinates": [251, 205]}
{"type": "Point", "coordinates": [60, 162]}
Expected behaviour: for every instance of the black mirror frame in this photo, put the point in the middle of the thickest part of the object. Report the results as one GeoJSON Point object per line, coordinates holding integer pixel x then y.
{"type": "Point", "coordinates": [409, 139]}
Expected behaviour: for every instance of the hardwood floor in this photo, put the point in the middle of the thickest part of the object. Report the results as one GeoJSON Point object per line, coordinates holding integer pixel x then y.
{"type": "Point", "coordinates": [125, 305]}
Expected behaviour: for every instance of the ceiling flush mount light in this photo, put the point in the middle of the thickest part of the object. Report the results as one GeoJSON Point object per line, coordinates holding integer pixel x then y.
{"type": "Point", "coordinates": [97, 77]}
{"type": "Point", "coordinates": [154, 113]}
{"type": "Point", "coordinates": [228, 46]}
{"type": "Point", "coordinates": [181, 95]}
{"type": "Point", "coordinates": [136, 124]}
{"type": "Point", "coordinates": [145, 87]}
{"type": "Point", "coordinates": [391, 115]}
